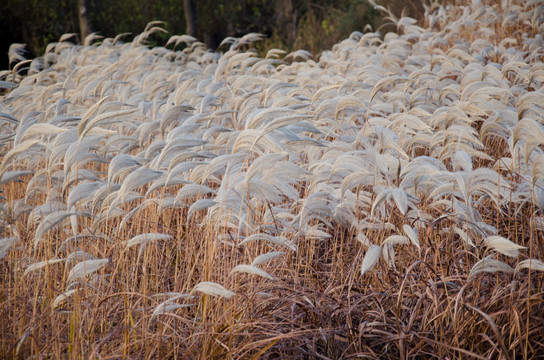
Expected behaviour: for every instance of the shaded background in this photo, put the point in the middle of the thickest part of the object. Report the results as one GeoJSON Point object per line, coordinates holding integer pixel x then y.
{"type": "Point", "coordinates": [312, 25]}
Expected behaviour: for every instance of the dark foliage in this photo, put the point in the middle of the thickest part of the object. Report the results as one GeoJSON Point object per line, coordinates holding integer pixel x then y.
{"type": "Point", "coordinates": [313, 25]}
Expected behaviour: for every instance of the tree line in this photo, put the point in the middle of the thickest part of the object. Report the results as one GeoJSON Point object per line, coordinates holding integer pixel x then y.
{"type": "Point", "coordinates": [312, 25]}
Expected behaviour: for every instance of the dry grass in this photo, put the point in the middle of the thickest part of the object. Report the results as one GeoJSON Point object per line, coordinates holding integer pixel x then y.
{"type": "Point", "coordinates": [162, 204]}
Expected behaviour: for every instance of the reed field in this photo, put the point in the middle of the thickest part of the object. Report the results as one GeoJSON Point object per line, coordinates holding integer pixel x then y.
{"type": "Point", "coordinates": [381, 200]}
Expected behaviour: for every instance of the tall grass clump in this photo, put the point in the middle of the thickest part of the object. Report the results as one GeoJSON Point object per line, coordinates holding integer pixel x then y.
{"type": "Point", "coordinates": [384, 200]}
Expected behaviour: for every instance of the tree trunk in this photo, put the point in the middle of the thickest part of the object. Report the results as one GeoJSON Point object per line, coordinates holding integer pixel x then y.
{"type": "Point", "coordinates": [285, 18]}
{"type": "Point", "coordinates": [190, 17]}
{"type": "Point", "coordinates": [85, 25]}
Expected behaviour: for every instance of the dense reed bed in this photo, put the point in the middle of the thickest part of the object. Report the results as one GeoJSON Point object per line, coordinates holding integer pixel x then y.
{"type": "Point", "coordinates": [382, 201]}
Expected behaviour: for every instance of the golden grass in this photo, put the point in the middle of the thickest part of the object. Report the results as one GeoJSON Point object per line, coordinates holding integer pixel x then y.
{"type": "Point", "coordinates": [152, 297]}
{"type": "Point", "coordinates": [317, 304]}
